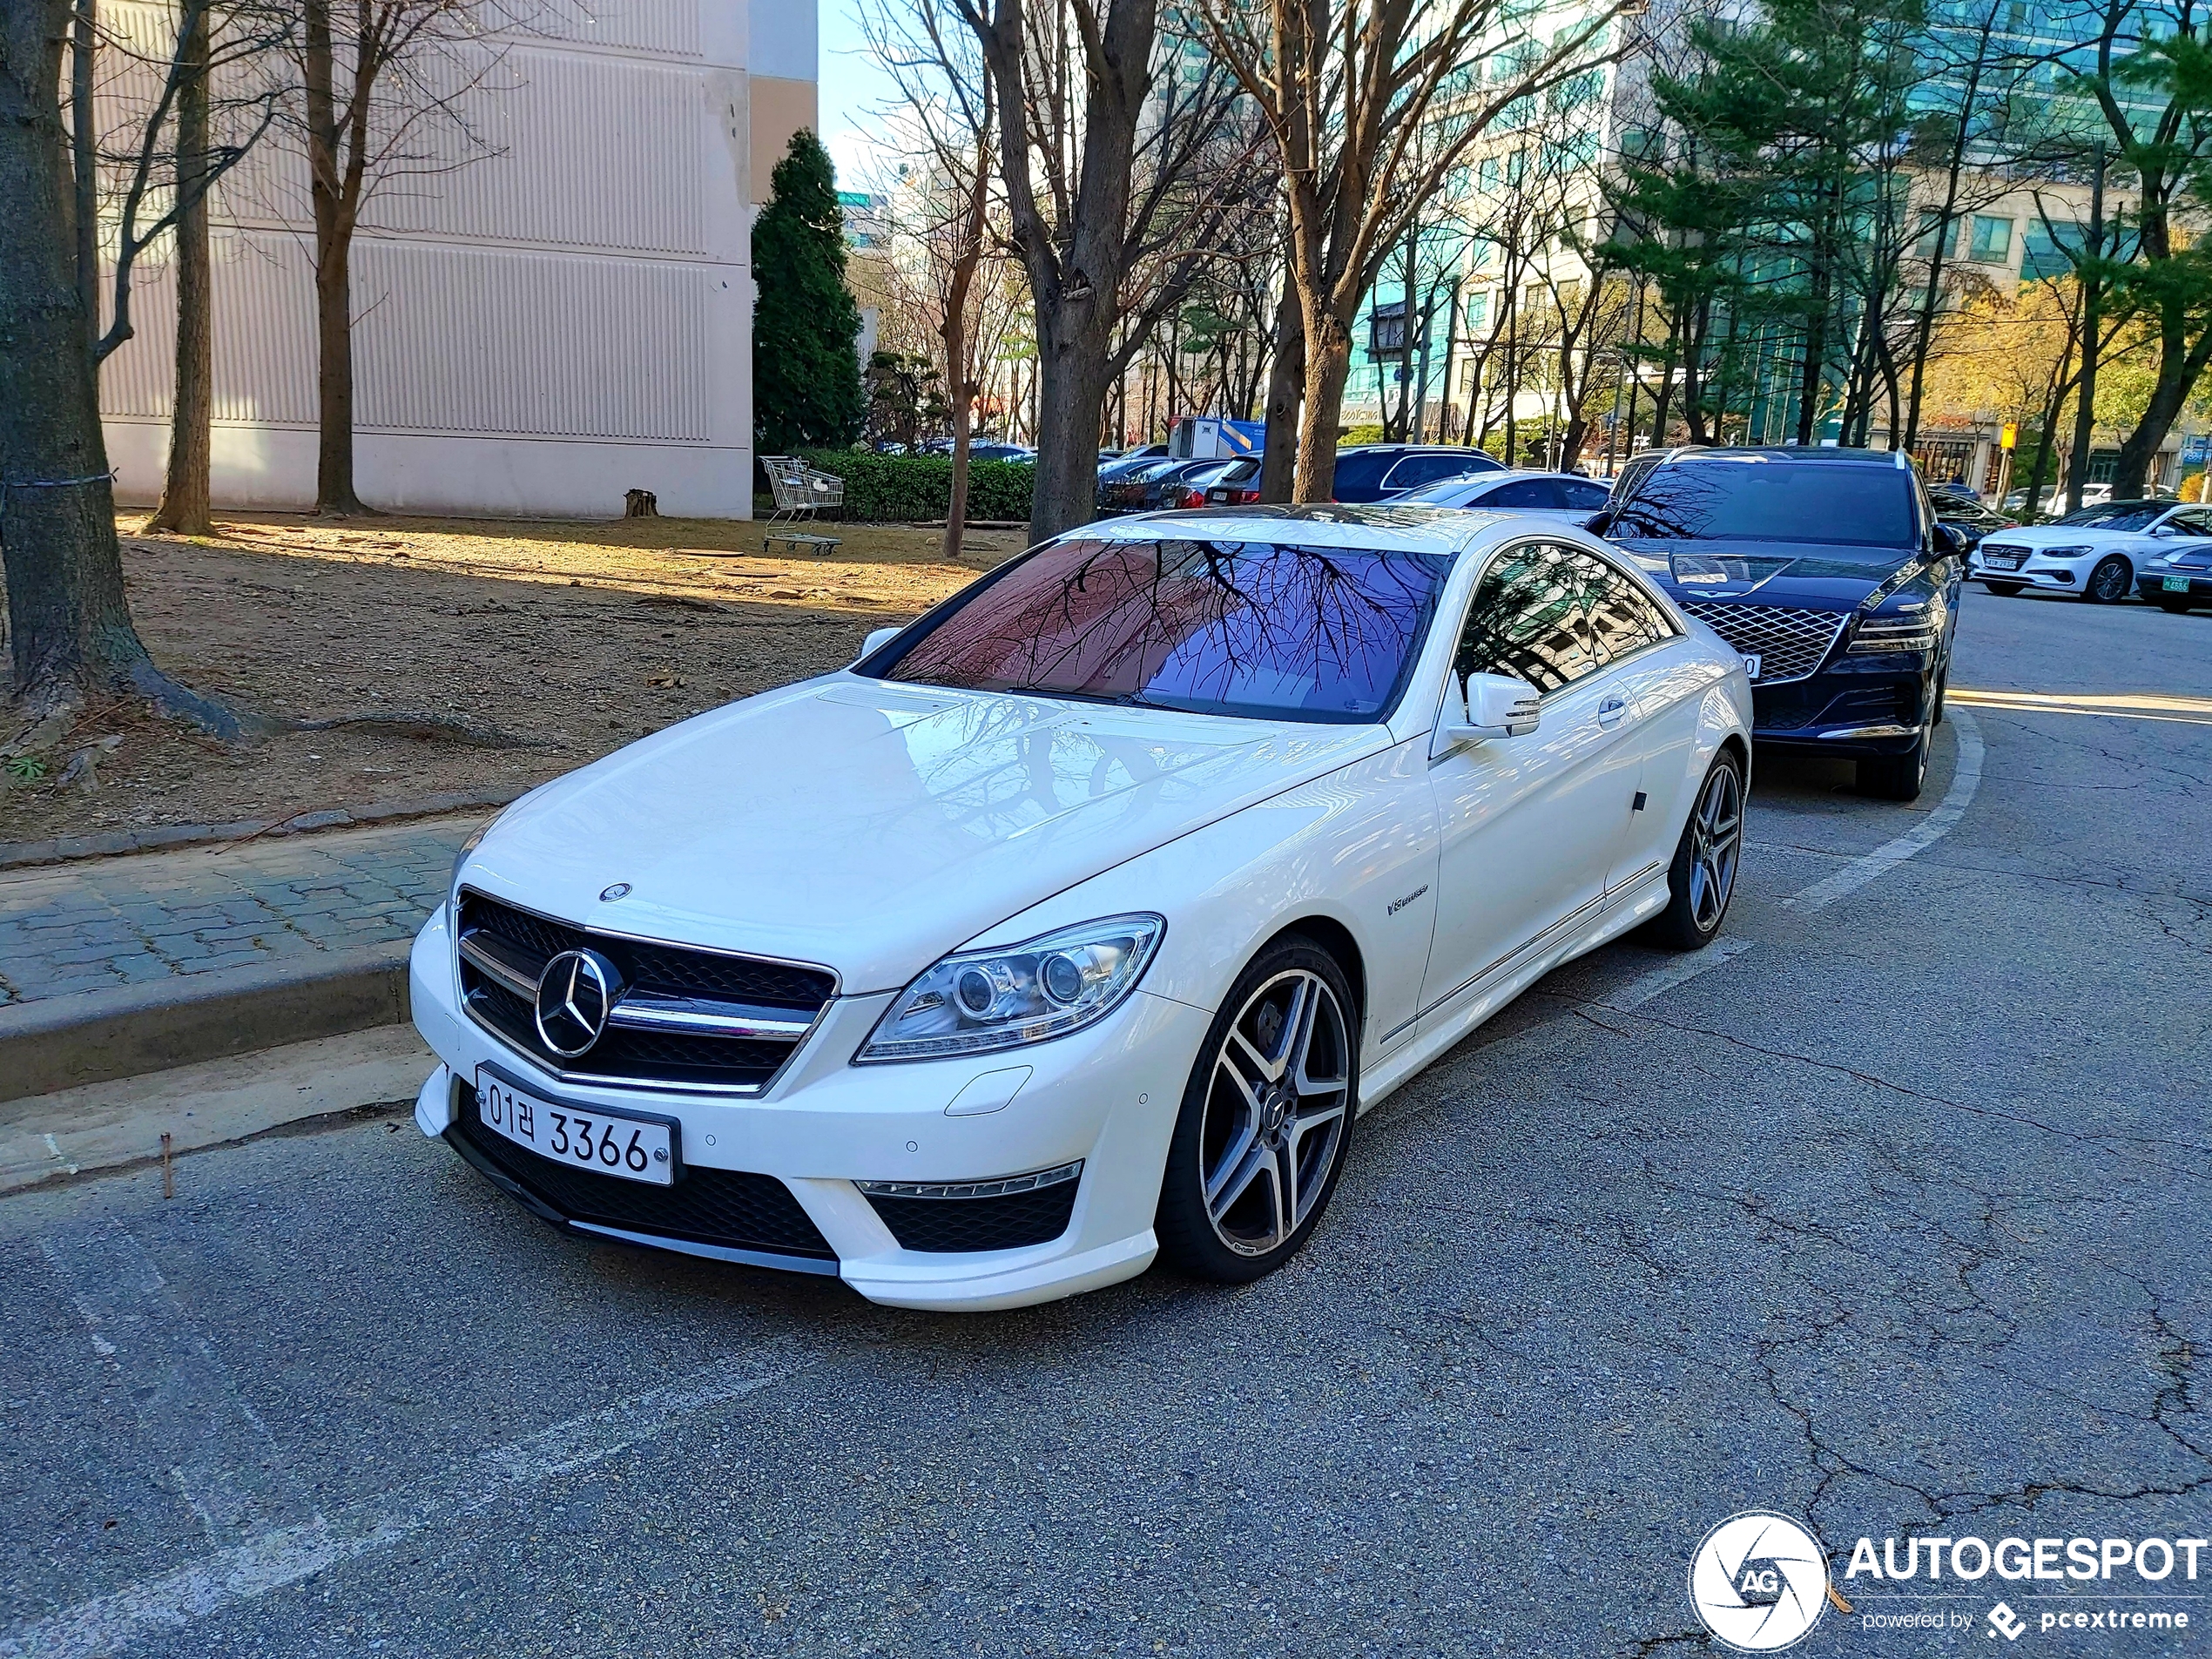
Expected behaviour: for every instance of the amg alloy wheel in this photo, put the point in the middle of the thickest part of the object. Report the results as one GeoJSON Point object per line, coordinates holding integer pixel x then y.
{"type": "Point", "coordinates": [2111, 581]}
{"type": "Point", "coordinates": [1703, 878]}
{"type": "Point", "coordinates": [1266, 1120]}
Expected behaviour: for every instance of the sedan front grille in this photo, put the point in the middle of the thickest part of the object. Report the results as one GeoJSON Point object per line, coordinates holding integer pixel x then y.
{"type": "Point", "coordinates": [1788, 644]}
{"type": "Point", "coordinates": [685, 1019]}
{"type": "Point", "coordinates": [1999, 556]}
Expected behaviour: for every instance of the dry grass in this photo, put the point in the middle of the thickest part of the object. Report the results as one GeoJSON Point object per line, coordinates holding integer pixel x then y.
{"type": "Point", "coordinates": [579, 637]}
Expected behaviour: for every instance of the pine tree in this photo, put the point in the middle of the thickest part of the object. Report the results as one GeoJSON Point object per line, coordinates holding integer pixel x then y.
{"type": "Point", "coordinates": [805, 368]}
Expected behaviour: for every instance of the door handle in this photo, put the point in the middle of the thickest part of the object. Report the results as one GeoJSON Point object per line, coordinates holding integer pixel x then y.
{"type": "Point", "coordinates": [1612, 711]}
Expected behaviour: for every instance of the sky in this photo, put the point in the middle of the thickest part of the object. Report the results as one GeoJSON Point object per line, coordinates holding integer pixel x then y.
{"type": "Point", "coordinates": [853, 88]}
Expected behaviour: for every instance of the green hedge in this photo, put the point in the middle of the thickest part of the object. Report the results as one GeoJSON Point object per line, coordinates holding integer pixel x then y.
{"type": "Point", "coordinates": [896, 488]}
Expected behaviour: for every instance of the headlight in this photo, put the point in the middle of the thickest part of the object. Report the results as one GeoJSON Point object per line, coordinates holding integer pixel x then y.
{"type": "Point", "coordinates": [979, 1000]}
{"type": "Point", "coordinates": [1915, 630]}
{"type": "Point", "coordinates": [2061, 552]}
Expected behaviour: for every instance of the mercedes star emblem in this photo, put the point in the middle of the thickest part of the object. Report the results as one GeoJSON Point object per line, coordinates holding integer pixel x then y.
{"type": "Point", "coordinates": [575, 995]}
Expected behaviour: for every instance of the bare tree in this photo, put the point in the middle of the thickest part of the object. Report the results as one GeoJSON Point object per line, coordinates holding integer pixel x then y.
{"type": "Point", "coordinates": [387, 90]}
{"type": "Point", "coordinates": [1120, 165]}
{"type": "Point", "coordinates": [1372, 105]}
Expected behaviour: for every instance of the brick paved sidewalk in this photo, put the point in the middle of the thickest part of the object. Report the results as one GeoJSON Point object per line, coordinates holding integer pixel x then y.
{"type": "Point", "coordinates": [99, 922]}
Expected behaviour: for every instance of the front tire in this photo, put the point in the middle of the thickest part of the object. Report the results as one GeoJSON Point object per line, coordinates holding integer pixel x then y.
{"type": "Point", "coordinates": [1701, 880]}
{"type": "Point", "coordinates": [2113, 580]}
{"type": "Point", "coordinates": [1897, 776]}
{"type": "Point", "coordinates": [1266, 1118]}
{"type": "Point", "coordinates": [2173, 605]}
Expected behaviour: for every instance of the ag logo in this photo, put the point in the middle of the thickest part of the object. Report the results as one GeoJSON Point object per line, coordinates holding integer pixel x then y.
{"type": "Point", "coordinates": [1759, 1582]}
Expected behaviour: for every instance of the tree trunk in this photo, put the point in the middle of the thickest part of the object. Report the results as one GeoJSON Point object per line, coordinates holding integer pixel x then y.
{"type": "Point", "coordinates": [1328, 363]}
{"type": "Point", "coordinates": [184, 506]}
{"type": "Point", "coordinates": [1070, 378]}
{"type": "Point", "coordinates": [70, 640]}
{"type": "Point", "coordinates": [334, 275]}
{"type": "Point", "coordinates": [84, 162]}
{"type": "Point", "coordinates": [2085, 402]}
{"type": "Point", "coordinates": [1285, 393]}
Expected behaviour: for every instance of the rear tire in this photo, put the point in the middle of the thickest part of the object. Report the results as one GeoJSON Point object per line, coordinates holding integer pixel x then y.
{"type": "Point", "coordinates": [2004, 589]}
{"type": "Point", "coordinates": [2113, 580]}
{"type": "Point", "coordinates": [1896, 777]}
{"type": "Point", "coordinates": [1701, 880]}
{"type": "Point", "coordinates": [1266, 1118]}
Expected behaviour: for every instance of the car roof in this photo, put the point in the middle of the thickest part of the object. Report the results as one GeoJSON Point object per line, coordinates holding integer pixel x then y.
{"type": "Point", "coordinates": [1413, 530]}
{"type": "Point", "coordinates": [1823, 454]}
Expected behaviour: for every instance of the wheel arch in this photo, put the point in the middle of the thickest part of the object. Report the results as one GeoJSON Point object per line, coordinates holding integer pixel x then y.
{"type": "Point", "coordinates": [1337, 939]}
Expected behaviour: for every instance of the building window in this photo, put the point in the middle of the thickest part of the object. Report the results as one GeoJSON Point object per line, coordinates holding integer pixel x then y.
{"type": "Point", "coordinates": [1993, 240]}
{"type": "Point", "coordinates": [1478, 313]}
{"type": "Point", "coordinates": [1931, 233]}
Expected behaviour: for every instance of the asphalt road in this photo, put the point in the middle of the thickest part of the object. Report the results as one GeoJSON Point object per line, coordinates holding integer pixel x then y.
{"type": "Point", "coordinates": [1894, 1220]}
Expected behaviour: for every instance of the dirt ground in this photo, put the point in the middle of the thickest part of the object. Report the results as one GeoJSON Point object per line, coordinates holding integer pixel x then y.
{"type": "Point", "coordinates": [575, 637]}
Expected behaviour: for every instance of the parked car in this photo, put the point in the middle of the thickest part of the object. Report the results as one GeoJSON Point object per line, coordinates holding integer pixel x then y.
{"type": "Point", "coordinates": [1829, 572]}
{"type": "Point", "coordinates": [2094, 554]}
{"type": "Point", "coordinates": [1174, 487]}
{"type": "Point", "coordinates": [1237, 487]}
{"type": "Point", "coordinates": [2179, 575]}
{"type": "Point", "coordinates": [1123, 492]}
{"type": "Point", "coordinates": [1381, 471]}
{"type": "Point", "coordinates": [991, 450]}
{"type": "Point", "coordinates": [1513, 492]}
{"type": "Point", "coordinates": [1077, 921]}
{"type": "Point", "coordinates": [1963, 510]}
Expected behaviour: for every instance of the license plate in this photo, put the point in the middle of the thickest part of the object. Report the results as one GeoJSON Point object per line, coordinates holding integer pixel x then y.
{"type": "Point", "coordinates": [633, 1149]}
{"type": "Point", "coordinates": [2008, 562]}
{"type": "Point", "coordinates": [1751, 664]}
{"type": "Point", "coordinates": [2175, 585]}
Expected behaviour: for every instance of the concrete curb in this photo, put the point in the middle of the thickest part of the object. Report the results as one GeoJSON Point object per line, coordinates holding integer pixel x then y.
{"type": "Point", "coordinates": [113, 843]}
{"type": "Point", "coordinates": [95, 1036]}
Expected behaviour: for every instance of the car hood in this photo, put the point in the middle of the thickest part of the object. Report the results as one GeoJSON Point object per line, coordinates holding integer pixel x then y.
{"type": "Point", "coordinates": [870, 827]}
{"type": "Point", "coordinates": [1810, 576]}
{"type": "Point", "coordinates": [2042, 536]}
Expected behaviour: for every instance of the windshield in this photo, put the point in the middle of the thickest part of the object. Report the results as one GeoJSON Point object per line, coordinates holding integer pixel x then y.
{"type": "Point", "coordinates": [1445, 492]}
{"type": "Point", "coordinates": [2133, 516]}
{"type": "Point", "coordinates": [1240, 628]}
{"type": "Point", "coordinates": [1835, 502]}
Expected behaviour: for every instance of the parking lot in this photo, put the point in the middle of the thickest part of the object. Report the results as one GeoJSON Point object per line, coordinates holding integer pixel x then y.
{"type": "Point", "coordinates": [1887, 1211]}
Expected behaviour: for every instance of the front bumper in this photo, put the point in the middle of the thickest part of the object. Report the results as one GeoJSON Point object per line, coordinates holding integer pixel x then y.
{"type": "Point", "coordinates": [1856, 705]}
{"type": "Point", "coordinates": [2057, 575]}
{"type": "Point", "coordinates": [2151, 585]}
{"type": "Point", "coordinates": [1106, 1097]}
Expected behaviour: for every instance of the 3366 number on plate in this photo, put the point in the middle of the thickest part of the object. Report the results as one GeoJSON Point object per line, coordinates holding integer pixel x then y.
{"type": "Point", "coordinates": [632, 1148]}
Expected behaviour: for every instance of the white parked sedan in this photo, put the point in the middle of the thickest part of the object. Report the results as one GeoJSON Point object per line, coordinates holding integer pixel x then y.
{"type": "Point", "coordinates": [2095, 554]}
{"type": "Point", "coordinates": [1513, 492]}
{"type": "Point", "coordinates": [1076, 923]}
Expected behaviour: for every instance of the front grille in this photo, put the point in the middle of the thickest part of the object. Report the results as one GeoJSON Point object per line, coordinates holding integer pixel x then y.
{"type": "Point", "coordinates": [1034, 1215]}
{"type": "Point", "coordinates": [625, 1056]}
{"type": "Point", "coordinates": [729, 1208]}
{"type": "Point", "coordinates": [1998, 556]}
{"type": "Point", "coordinates": [1788, 644]}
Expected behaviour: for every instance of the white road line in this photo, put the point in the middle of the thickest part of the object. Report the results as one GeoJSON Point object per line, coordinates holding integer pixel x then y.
{"type": "Point", "coordinates": [1931, 829]}
{"type": "Point", "coordinates": [272, 1560]}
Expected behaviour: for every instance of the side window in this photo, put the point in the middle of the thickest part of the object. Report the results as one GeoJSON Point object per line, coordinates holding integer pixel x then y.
{"type": "Point", "coordinates": [1524, 492]}
{"type": "Point", "coordinates": [1623, 618]}
{"type": "Point", "coordinates": [1584, 496]}
{"type": "Point", "coordinates": [1415, 470]}
{"type": "Point", "coordinates": [2192, 521]}
{"type": "Point", "coordinates": [1527, 620]}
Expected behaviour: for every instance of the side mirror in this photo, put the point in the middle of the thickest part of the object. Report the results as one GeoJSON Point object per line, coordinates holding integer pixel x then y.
{"type": "Point", "coordinates": [1600, 522]}
{"type": "Point", "coordinates": [1949, 542]}
{"type": "Point", "coordinates": [2165, 533]}
{"type": "Point", "coordinates": [877, 639]}
{"type": "Point", "coordinates": [1488, 706]}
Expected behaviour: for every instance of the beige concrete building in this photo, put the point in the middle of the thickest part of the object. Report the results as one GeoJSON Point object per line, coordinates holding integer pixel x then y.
{"type": "Point", "coordinates": [564, 315]}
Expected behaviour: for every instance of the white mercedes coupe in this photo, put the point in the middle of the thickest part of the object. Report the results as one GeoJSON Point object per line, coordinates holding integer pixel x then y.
{"type": "Point", "coordinates": [1076, 923]}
